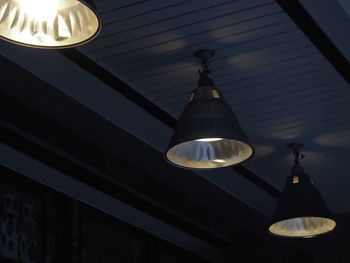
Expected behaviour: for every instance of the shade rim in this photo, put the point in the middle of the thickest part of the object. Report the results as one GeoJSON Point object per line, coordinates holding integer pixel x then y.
{"type": "Point", "coordinates": [208, 168]}
{"type": "Point", "coordinates": [305, 236]}
{"type": "Point", "coordinates": [87, 40]}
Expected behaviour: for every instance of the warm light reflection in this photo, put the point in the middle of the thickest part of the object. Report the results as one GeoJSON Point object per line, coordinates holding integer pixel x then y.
{"type": "Point", "coordinates": [305, 227]}
{"type": "Point", "coordinates": [295, 179]}
{"type": "Point", "coordinates": [209, 140]}
{"type": "Point", "coordinates": [47, 23]}
{"type": "Point", "coordinates": [209, 153]}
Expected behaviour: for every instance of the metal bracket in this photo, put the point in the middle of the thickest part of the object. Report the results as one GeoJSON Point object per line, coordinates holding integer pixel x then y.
{"type": "Point", "coordinates": [295, 147]}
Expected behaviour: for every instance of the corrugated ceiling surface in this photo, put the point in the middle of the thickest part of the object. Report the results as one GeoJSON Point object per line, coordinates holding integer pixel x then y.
{"type": "Point", "coordinates": [278, 83]}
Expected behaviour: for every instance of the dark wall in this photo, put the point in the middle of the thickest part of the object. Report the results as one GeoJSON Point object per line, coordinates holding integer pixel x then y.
{"type": "Point", "coordinates": [34, 221]}
{"type": "Point", "coordinates": [104, 239]}
{"type": "Point", "coordinates": [38, 224]}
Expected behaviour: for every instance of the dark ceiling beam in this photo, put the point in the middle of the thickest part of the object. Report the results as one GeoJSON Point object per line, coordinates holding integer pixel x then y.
{"type": "Point", "coordinates": [121, 87]}
{"type": "Point", "coordinates": [317, 36]}
{"type": "Point", "coordinates": [240, 169]}
{"type": "Point", "coordinates": [42, 139]}
{"type": "Point", "coordinates": [116, 84]}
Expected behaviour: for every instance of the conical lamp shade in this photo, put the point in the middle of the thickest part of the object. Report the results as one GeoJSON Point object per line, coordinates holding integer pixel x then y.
{"type": "Point", "coordinates": [208, 134]}
{"type": "Point", "coordinates": [301, 210]}
{"type": "Point", "coordinates": [48, 23]}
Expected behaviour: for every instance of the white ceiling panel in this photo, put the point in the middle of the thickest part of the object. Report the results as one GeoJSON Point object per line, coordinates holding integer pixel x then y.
{"type": "Point", "coordinates": [279, 84]}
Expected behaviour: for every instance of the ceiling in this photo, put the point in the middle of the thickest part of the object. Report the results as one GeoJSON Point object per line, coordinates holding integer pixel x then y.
{"type": "Point", "coordinates": [281, 86]}
{"type": "Point", "coordinates": [278, 83]}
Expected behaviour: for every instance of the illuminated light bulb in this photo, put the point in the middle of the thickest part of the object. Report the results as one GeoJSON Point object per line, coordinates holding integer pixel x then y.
{"type": "Point", "coordinates": [209, 140]}
{"type": "Point", "coordinates": [41, 10]}
{"type": "Point", "coordinates": [48, 23]}
{"type": "Point", "coordinates": [218, 161]}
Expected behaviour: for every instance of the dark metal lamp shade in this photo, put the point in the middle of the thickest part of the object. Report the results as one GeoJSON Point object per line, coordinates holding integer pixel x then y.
{"type": "Point", "coordinates": [49, 24]}
{"type": "Point", "coordinates": [301, 210]}
{"type": "Point", "coordinates": [208, 133]}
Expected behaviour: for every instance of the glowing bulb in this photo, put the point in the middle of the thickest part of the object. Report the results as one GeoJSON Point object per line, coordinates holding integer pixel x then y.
{"type": "Point", "coordinates": [218, 161]}
{"type": "Point", "coordinates": [41, 10]}
{"type": "Point", "coordinates": [48, 23]}
{"type": "Point", "coordinates": [209, 140]}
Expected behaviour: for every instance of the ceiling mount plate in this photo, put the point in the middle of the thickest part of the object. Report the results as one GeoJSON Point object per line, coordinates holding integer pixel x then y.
{"type": "Point", "coordinates": [204, 54]}
{"type": "Point", "coordinates": [295, 147]}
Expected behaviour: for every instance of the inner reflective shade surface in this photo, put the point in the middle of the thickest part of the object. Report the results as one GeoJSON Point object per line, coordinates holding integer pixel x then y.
{"type": "Point", "coordinates": [209, 153]}
{"type": "Point", "coordinates": [47, 23]}
{"type": "Point", "coordinates": [305, 227]}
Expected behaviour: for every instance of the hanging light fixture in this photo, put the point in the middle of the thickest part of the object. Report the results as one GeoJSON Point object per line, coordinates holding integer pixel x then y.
{"type": "Point", "coordinates": [48, 23]}
{"type": "Point", "coordinates": [208, 134]}
{"type": "Point", "coordinates": [301, 210]}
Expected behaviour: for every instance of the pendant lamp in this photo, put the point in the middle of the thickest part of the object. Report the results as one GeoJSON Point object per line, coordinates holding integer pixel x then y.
{"type": "Point", "coordinates": [208, 134]}
{"type": "Point", "coordinates": [301, 211]}
{"type": "Point", "coordinates": [49, 24]}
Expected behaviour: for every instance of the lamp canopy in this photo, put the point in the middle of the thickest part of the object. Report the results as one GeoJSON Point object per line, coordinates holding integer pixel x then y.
{"type": "Point", "coordinates": [49, 24]}
{"type": "Point", "coordinates": [301, 210]}
{"type": "Point", "coordinates": [208, 134]}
